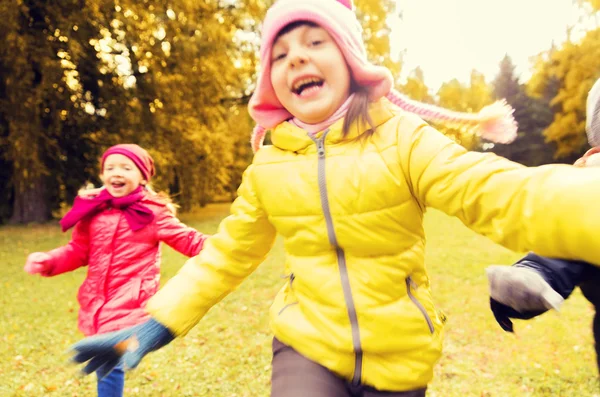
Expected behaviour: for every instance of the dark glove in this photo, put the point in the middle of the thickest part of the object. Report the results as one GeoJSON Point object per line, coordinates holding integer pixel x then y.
{"type": "Point", "coordinates": [128, 346]}
{"type": "Point", "coordinates": [532, 286]}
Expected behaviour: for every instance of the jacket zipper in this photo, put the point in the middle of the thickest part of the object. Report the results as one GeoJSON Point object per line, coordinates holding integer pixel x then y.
{"type": "Point", "coordinates": [341, 259]}
{"type": "Point", "coordinates": [411, 283]}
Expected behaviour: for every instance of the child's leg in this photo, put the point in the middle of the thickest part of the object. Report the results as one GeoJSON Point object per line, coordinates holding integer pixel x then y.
{"type": "Point", "coordinates": [294, 375]}
{"type": "Point", "coordinates": [591, 290]}
{"type": "Point", "coordinates": [597, 335]}
{"type": "Point", "coordinates": [112, 385]}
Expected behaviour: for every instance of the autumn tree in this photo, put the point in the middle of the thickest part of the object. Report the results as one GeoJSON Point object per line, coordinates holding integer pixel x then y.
{"type": "Point", "coordinates": [184, 78]}
{"type": "Point", "coordinates": [373, 15]}
{"type": "Point", "coordinates": [415, 87]}
{"type": "Point", "coordinates": [44, 113]}
{"type": "Point", "coordinates": [80, 76]}
{"type": "Point", "coordinates": [567, 73]}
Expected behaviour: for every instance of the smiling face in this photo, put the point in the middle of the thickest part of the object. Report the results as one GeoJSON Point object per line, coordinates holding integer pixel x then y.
{"type": "Point", "coordinates": [309, 73]}
{"type": "Point", "coordinates": [120, 175]}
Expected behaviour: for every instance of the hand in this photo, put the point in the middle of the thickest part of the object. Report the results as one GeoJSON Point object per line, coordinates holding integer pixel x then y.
{"type": "Point", "coordinates": [89, 192]}
{"type": "Point", "coordinates": [38, 263]}
{"type": "Point", "coordinates": [591, 158]}
{"type": "Point", "coordinates": [522, 289]}
{"type": "Point", "coordinates": [128, 346]}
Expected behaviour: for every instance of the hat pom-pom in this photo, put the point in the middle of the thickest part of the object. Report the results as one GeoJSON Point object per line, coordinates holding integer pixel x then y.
{"type": "Point", "coordinates": [497, 123]}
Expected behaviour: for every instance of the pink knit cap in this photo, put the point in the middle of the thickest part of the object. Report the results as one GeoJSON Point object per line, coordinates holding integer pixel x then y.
{"type": "Point", "coordinates": [135, 153]}
{"type": "Point", "coordinates": [338, 18]}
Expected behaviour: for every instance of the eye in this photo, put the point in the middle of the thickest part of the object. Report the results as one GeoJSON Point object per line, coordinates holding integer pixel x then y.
{"type": "Point", "coordinates": [278, 57]}
{"type": "Point", "coordinates": [316, 42]}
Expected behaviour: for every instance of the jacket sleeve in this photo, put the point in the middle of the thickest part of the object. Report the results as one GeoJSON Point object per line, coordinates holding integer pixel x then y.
{"type": "Point", "coordinates": [73, 255]}
{"type": "Point", "coordinates": [177, 235]}
{"type": "Point", "coordinates": [562, 275]}
{"type": "Point", "coordinates": [241, 243]}
{"type": "Point", "coordinates": [552, 210]}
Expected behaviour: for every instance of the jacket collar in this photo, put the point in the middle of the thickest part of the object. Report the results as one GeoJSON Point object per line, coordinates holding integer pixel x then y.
{"type": "Point", "coordinates": [291, 138]}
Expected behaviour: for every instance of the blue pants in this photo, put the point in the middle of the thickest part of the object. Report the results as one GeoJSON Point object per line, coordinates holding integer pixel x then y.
{"type": "Point", "coordinates": [112, 385]}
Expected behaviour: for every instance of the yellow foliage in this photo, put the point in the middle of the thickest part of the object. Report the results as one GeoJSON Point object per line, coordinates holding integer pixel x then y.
{"type": "Point", "coordinates": [594, 3]}
{"type": "Point", "coordinates": [465, 98]}
{"type": "Point", "coordinates": [373, 15]}
{"type": "Point", "coordinates": [415, 87]}
{"type": "Point", "coordinates": [564, 76]}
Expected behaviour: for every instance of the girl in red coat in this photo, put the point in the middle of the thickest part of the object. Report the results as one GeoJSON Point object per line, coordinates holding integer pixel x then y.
{"type": "Point", "coordinates": [117, 234]}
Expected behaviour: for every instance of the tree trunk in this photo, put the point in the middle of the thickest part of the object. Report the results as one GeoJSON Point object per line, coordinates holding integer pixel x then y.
{"type": "Point", "coordinates": [30, 203]}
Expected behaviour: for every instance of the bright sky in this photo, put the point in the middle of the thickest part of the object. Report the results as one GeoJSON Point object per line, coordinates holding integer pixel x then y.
{"type": "Point", "coordinates": [449, 38]}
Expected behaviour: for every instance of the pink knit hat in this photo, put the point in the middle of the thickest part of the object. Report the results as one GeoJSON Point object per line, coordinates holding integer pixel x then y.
{"type": "Point", "coordinates": [135, 153]}
{"type": "Point", "coordinates": [338, 18]}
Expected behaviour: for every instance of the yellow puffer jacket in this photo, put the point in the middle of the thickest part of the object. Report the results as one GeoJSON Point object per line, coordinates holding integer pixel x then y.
{"type": "Point", "coordinates": [358, 300]}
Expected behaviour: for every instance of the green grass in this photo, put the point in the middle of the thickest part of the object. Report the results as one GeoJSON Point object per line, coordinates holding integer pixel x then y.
{"type": "Point", "coordinates": [228, 353]}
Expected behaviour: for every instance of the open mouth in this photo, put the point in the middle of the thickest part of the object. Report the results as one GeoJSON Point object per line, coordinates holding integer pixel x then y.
{"type": "Point", "coordinates": [308, 85]}
{"type": "Point", "coordinates": [117, 185]}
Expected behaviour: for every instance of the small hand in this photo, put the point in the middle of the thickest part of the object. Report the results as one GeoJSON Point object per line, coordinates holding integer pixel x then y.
{"type": "Point", "coordinates": [522, 289]}
{"type": "Point", "coordinates": [104, 352]}
{"type": "Point", "coordinates": [89, 192]}
{"type": "Point", "coordinates": [591, 158]}
{"type": "Point", "coordinates": [38, 263]}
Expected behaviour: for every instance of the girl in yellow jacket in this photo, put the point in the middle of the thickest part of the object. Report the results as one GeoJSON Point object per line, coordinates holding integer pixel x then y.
{"type": "Point", "coordinates": [346, 182]}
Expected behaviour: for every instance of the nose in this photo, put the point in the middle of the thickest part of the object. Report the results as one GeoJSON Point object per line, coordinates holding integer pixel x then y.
{"type": "Point", "coordinates": [298, 57]}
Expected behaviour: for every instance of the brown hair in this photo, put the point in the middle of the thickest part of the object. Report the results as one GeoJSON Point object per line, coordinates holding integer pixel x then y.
{"type": "Point", "coordinates": [293, 25]}
{"type": "Point", "coordinates": [162, 197]}
{"type": "Point", "coordinates": [358, 111]}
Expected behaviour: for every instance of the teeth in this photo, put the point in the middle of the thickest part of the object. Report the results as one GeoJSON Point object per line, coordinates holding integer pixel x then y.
{"type": "Point", "coordinates": [302, 82]}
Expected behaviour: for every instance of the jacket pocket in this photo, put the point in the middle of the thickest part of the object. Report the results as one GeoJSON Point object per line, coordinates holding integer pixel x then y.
{"type": "Point", "coordinates": [291, 279]}
{"type": "Point", "coordinates": [410, 285]}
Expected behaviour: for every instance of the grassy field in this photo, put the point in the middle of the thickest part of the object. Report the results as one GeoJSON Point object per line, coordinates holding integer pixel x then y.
{"type": "Point", "coordinates": [228, 353]}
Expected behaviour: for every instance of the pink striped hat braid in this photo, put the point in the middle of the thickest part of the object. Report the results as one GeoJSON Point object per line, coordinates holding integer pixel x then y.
{"type": "Point", "coordinates": [257, 138]}
{"type": "Point", "coordinates": [494, 122]}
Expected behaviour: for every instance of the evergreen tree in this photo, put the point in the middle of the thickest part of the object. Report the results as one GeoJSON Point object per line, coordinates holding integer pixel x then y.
{"type": "Point", "coordinates": [533, 116]}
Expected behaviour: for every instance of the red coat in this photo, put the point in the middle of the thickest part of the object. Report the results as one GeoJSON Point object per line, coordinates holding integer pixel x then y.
{"type": "Point", "coordinates": [123, 265]}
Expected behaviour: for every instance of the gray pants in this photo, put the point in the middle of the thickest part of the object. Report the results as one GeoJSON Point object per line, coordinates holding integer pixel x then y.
{"type": "Point", "coordinates": [294, 375]}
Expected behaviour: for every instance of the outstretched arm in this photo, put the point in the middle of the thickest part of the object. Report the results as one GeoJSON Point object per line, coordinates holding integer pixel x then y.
{"type": "Point", "coordinates": [524, 209]}
{"type": "Point", "coordinates": [242, 242]}
{"type": "Point", "coordinates": [177, 235]}
{"type": "Point", "coordinates": [63, 259]}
